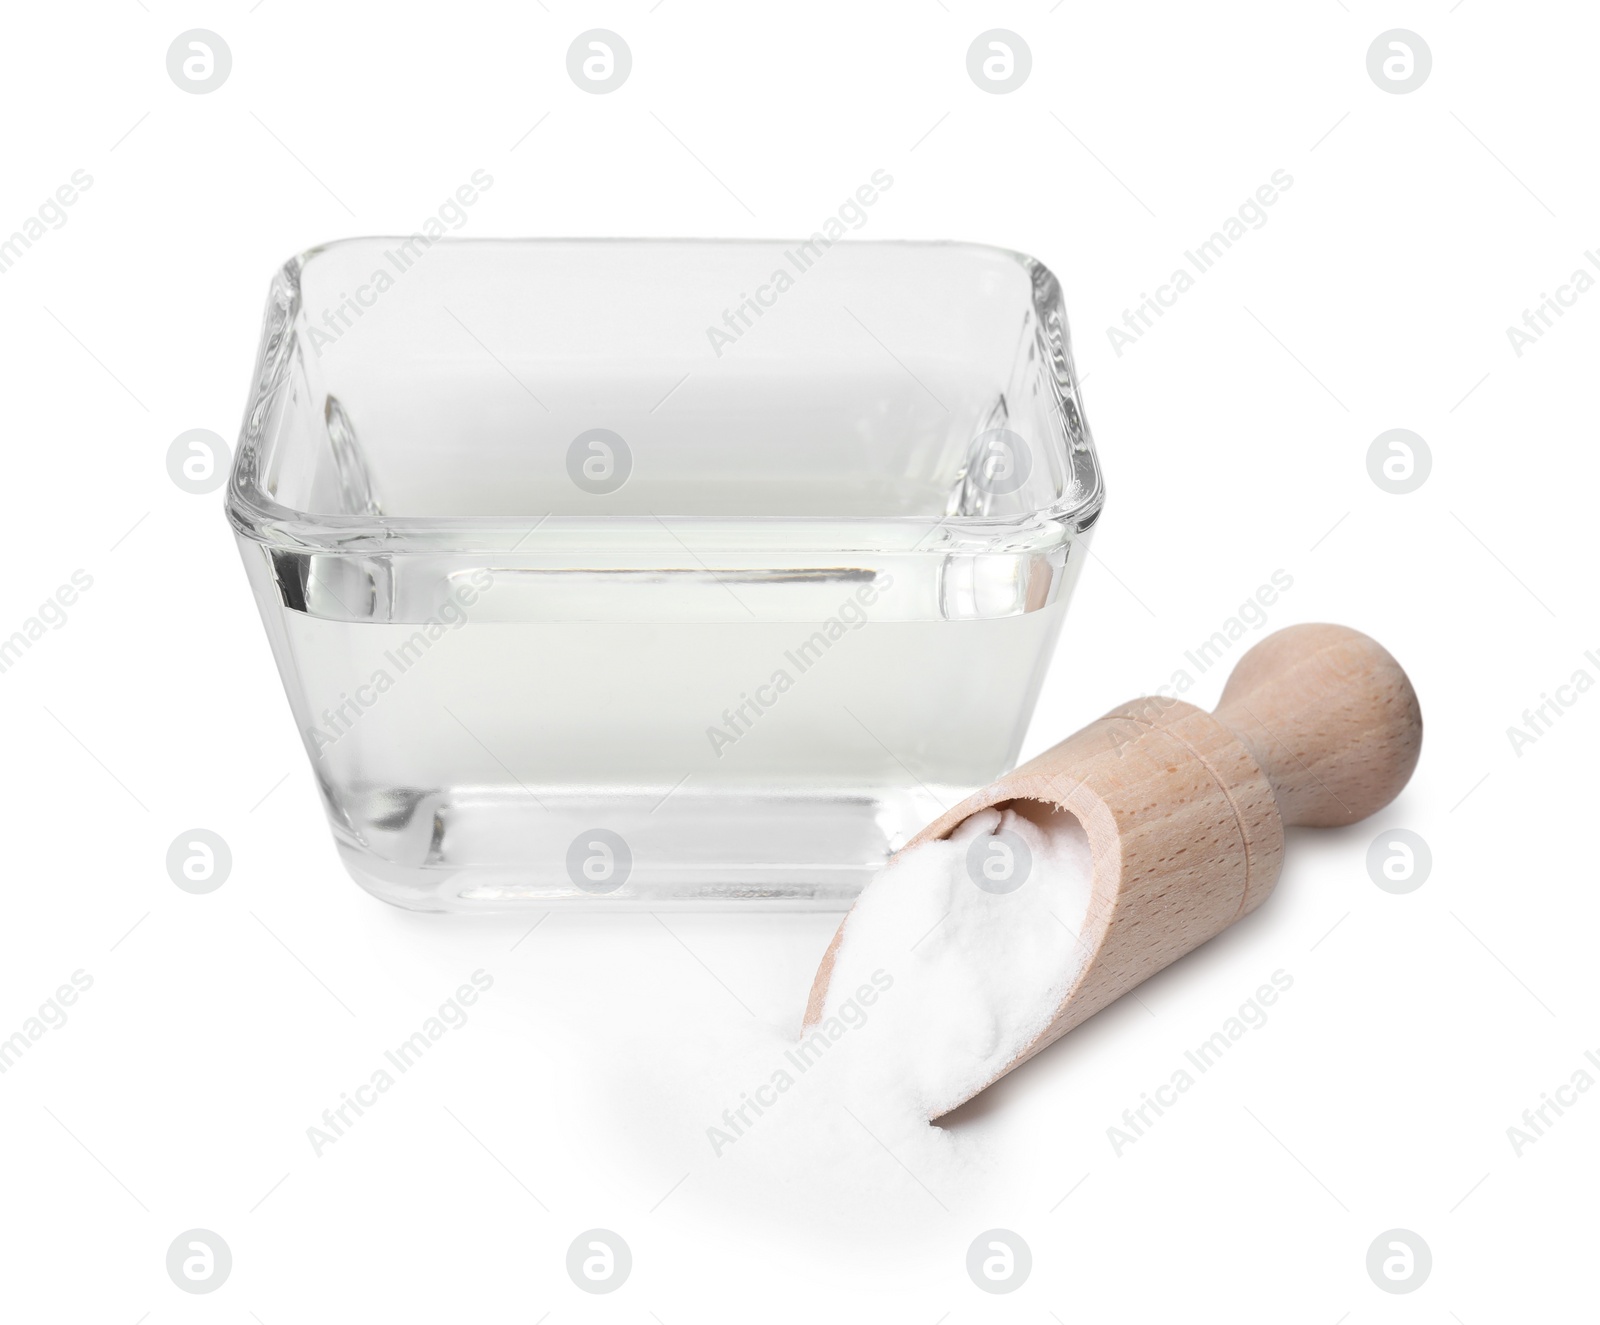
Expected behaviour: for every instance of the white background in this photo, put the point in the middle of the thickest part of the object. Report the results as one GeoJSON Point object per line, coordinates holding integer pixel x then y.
{"type": "Point", "coordinates": [1234, 438]}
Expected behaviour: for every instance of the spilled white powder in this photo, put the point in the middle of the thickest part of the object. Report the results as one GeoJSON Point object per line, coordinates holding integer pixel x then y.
{"type": "Point", "coordinates": [976, 938]}
{"type": "Point", "coordinates": [937, 986]}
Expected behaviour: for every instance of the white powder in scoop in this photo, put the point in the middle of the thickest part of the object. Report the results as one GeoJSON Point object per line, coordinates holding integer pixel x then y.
{"type": "Point", "coordinates": [965, 948]}
{"type": "Point", "coordinates": [954, 958]}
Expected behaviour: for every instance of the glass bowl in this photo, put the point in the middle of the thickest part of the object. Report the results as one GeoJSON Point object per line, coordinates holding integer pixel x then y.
{"type": "Point", "coordinates": [657, 573]}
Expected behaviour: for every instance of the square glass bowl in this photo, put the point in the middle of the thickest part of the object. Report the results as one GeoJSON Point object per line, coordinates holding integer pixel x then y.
{"type": "Point", "coordinates": [657, 573]}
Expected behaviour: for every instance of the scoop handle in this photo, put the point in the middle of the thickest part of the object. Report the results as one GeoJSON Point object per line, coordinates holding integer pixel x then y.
{"type": "Point", "coordinates": [1330, 717]}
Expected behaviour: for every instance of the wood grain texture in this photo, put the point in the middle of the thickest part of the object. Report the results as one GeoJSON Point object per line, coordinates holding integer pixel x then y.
{"type": "Point", "coordinates": [1185, 810]}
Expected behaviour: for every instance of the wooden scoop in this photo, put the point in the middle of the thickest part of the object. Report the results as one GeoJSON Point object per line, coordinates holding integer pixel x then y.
{"type": "Point", "coordinates": [1185, 810]}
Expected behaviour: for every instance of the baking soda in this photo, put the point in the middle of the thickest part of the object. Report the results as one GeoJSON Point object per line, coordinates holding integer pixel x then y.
{"type": "Point", "coordinates": [980, 938]}
{"type": "Point", "coordinates": [955, 957]}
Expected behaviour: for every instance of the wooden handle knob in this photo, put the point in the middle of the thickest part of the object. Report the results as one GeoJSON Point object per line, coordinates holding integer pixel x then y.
{"type": "Point", "coordinates": [1331, 718]}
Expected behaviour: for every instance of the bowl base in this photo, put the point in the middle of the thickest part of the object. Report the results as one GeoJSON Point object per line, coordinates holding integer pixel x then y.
{"type": "Point", "coordinates": [489, 851]}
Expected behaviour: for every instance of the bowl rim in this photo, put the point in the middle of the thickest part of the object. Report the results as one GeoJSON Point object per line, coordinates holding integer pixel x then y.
{"type": "Point", "coordinates": [256, 514]}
